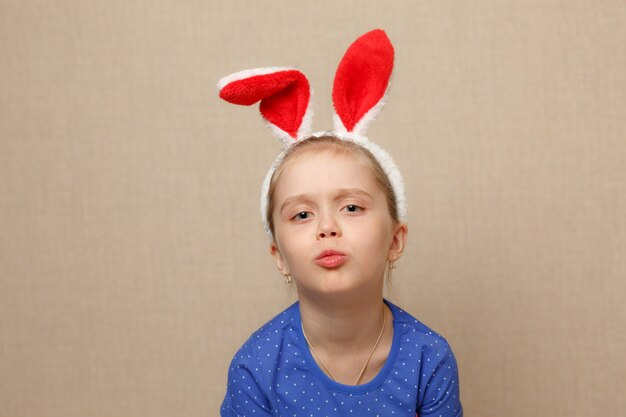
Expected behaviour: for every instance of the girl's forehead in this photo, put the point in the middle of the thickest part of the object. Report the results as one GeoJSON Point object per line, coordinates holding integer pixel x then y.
{"type": "Point", "coordinates": [325, 170]}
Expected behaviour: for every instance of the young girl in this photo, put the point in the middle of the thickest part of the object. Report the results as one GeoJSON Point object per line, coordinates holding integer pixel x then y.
{"type": "Point", "coordinates": [333, 207]}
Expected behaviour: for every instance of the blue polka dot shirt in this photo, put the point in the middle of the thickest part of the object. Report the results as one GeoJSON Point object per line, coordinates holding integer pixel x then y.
{"type": "Point", "coordinates": [274, 374]}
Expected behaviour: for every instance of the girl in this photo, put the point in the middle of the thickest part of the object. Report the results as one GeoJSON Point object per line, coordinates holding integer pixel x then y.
{"type": "Point", "coordinates": [333, 207]}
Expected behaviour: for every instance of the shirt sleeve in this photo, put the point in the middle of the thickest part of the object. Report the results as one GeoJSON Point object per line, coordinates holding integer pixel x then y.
{"type": "Point", "coordinates": [441, 390]}
{"type": "Point", "coordinates": [244, 396]}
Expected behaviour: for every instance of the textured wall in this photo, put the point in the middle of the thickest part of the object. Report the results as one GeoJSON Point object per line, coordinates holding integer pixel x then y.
{"type": "Point", "coordinates": [132, 257]}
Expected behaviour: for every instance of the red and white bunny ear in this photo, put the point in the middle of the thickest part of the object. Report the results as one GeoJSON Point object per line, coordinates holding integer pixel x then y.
{"type": "Point", "coordinates": [284, 94]}
{"type": "Point", "coordinates": [361, 82]}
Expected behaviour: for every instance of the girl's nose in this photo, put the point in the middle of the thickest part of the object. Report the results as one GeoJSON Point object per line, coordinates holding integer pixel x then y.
{"type": "Point", "coordinates": [327, 227]}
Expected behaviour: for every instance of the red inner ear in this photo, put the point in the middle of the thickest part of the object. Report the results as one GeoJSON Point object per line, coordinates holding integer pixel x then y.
{"type": "Point", "coordinates": [362, 77]}
{"type": "Point", "coordinates": [284, 97]}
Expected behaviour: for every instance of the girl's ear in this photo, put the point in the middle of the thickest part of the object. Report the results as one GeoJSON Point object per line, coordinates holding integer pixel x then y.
{"type": "Point", "coordinates": [278, 258]}
{"type": "Point", "coordinates": [398, 242]}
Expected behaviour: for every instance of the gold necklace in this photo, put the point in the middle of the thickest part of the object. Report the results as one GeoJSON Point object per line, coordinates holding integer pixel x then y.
{"type": "Point", "coordinates": [358, 378]}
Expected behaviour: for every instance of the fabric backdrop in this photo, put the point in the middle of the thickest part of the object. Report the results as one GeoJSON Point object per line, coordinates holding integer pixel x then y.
{"type": "Point", "coordinates": [132, 258]}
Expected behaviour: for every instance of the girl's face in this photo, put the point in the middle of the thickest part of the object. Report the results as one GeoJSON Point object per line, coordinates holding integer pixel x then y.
{"type": "Point", "coordinates": [332, 227]}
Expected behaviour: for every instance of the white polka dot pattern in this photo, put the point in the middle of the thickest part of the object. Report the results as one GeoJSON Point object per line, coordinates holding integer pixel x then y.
{"type": "Point", "coordinates": [274, 374]}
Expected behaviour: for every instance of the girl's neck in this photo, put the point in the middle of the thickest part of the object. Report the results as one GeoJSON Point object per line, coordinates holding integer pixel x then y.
{"type": "Point", "coordinates": [340, 325]}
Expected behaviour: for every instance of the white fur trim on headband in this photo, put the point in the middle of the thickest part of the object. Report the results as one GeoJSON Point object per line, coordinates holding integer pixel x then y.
{"type": "Point", "coordinates": [265, 188]}
{"type": "Point", "coordinates": [393, 173]}
{"type": "Point", "coordinates": [240, 75]}
{"type": "Point", "coordinates": [307, 121]}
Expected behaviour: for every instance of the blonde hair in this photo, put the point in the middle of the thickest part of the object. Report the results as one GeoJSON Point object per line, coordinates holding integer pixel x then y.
{"type": "Point", "coordinates": [336, 146]}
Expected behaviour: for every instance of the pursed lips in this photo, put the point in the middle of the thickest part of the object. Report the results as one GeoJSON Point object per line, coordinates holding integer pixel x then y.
{"type": "Point", "coordinates": [330, 259]}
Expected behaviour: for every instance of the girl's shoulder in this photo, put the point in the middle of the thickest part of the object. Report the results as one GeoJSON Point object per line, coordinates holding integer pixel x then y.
{"type": "Point", "coordinates": [416, 330]}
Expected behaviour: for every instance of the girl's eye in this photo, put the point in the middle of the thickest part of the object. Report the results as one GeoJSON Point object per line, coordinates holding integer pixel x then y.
{"type": "Point", "coordinates": [303, 215]}
{"type": "Point", "coordinates": [352, 208]}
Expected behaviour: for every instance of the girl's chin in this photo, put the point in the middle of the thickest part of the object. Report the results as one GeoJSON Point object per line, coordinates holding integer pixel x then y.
{"type": "Point", "coordinates": [336, 286]}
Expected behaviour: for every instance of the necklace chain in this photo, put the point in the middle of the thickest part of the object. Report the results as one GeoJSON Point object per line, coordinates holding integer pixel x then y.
{"type": "Point", "coordinates": [358, 378]}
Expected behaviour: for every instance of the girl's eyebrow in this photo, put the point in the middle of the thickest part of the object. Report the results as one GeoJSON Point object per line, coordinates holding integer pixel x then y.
{"type": "Point", "coordinates": [341, 193]}
{"type": "Point", "coordinates": [292, 199]}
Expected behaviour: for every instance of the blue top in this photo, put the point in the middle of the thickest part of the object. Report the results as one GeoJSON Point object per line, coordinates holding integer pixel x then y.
{"type": "Point", "coordinates": [274, 374]}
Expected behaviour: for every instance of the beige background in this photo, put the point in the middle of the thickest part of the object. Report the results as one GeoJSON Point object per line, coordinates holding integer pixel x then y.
{"type": "Point", "coordinates": [132, 258]}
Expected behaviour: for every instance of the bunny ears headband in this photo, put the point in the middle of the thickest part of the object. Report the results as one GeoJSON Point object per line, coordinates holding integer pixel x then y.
{"type": "Point", "coordinates": [359, 92]}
